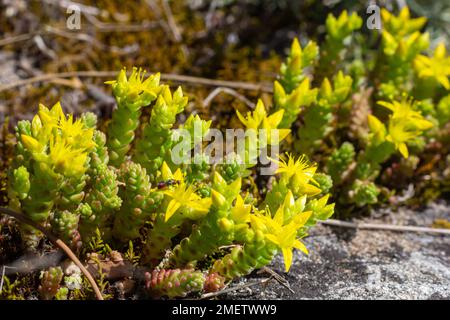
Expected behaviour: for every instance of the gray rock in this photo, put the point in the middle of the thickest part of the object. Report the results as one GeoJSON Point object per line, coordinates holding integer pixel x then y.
{"type": "Point", "coordinates": [365, 264]}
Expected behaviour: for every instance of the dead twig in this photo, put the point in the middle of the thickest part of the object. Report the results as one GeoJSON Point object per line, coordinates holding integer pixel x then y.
{"type": "Point", "coordinates": [171, 21]}
{"type": "Point", "coordinates": [99, 27]}
{"type": "Point", "coordinates": [177, 37]}
{"type": "Point", "coordinates": [3, 277]}
{"type": "Point", "coordinates": [385, 227]}
{"type": "Point", "coordinates": [277, 277]}
{"type": "Point", "coordinates": [216, 83]}
{"type": "Point", "coordinates": [128, 27]}
{"type": "Point", "coordinates": [209, 15]}
{"type": "Point", "coordinates": [123, 27]}
{"type": "Point", "coordinates": [17, 38]}
{"type": "Point", "coordinates": [229, 91]}
{"type": "Point", "coordinates": [235, 288]}
{"type": "Point", "coordinates": [106, 27]}
{"type": "Point", "coordinates": [59, 243]}
{"type": "Point", "coordinates": [40, 43]}
{"type": "Point", "coordinates": [155, 8]}
{"type": "Point", "coordinates": [93, 41]}
{"type": "Point", "coordinates": [164, 76]}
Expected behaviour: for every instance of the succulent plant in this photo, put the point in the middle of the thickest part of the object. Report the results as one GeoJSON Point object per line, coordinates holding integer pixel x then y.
{"type": "Point", "coordinates": [100, 191]}
{"type": "Point", "coordinates": [125, 185]}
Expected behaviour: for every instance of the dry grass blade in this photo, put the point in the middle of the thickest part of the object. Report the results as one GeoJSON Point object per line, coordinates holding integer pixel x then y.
{"type": "Point", "coordinates": [17, 38]}
{"type": "Point", "coordinates": [239, 287]}
{"type": "Point", "coordinates": [229, 91]}
{"type": "Point", "coordinates": [171, 21]}
{"type": "Point", "coordinates": [164, 76]}
{"type": "Point", "coordinates": [385, 227]}
{"type": "Point", "coordinates": [277, 277]}
{"type": "Point", "coordinates": [123, 27]}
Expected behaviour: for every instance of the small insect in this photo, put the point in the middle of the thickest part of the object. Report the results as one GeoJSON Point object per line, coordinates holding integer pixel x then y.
{"type": "Point", "coordinates": [167, 183]}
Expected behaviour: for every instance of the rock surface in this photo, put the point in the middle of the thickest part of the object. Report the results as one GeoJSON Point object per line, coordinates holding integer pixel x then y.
{"type": "Point", "coordinates": [365, 264]}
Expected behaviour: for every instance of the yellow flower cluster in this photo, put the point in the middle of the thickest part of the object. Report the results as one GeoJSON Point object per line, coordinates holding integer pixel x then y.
{"type": "Point", "coordinates": [182, 197]}
{"type": "Point", "coordinates": [405, 124]}
{"type": "Point", "coordinates": [60, 142]}
{"type": "Point", "coordinates": [401, 25]}
{"type": "Point", "coordinates": [282, 228]}
{"type": "Point", "coordinates": [298, 174]}
{"type": "Point", "coordinates": [134, 88]}
{"type": "Point", "coordinates": [258, 119]}
{"type": "Point", "coordinates": [437, 67]}
{"type": "Point", "coordinates": [401, 35]}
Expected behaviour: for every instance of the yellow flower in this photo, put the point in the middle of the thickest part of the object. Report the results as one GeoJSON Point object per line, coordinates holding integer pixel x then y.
{"type": "Point", "coordinates": [253, 119]}
{"type": "Point", "coordinates": [46, 122]}
{"type": "Point", "coordinates": [167, 174]}
{"type": "Point", "coordinates": [399, 134]}
{"type": "Point", "coordinates": [59, 141]}
{"type": "Point", "coordinates": [262, 129]}
{"type": "Point", "coordinates": [405, 124]}
{"type": "Point", "coordinates": [300, 172]}
{"type": "Point", "coordinates": [280, 233]}
{"type": "Point", "coordinates": [404, 110]}
{"type": "Point", "coordinates": [437, 67]}
{"type": "Point", "coordinates": [65, 159]}
{"type": "Point", "coordinates": [270, 124]}
{"type": "Point", "coordinates": [293, 207]}
{"type": "Point", "coordinates": [183, 197]}
{"type": "Point", "coordinates": [240, 213]}
{"type": "Point", "coordinates": [291, 166]}
{"type": "Point", "coordinates": [135, 87]}
{"type": "Point", "coordinates": [286, 240]}
{"type": "Point", "coordinates": [402, 25]}
{"type": "Point", "coordinates": [50, 118]}
{"type": "Point", "coordinates": [377, 128]}
{"type": "Point", "coordinates": [75, 134]}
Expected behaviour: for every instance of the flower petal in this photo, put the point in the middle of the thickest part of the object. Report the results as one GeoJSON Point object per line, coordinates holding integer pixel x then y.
{"type": "Point", "coordinates": [403, 150]}
{"type": "Point", "coordinates": [171, 209]}
{"type": "Point", "coordinates": [287, 256]}
{"type": "Point", "coordinates": [300, 246]}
